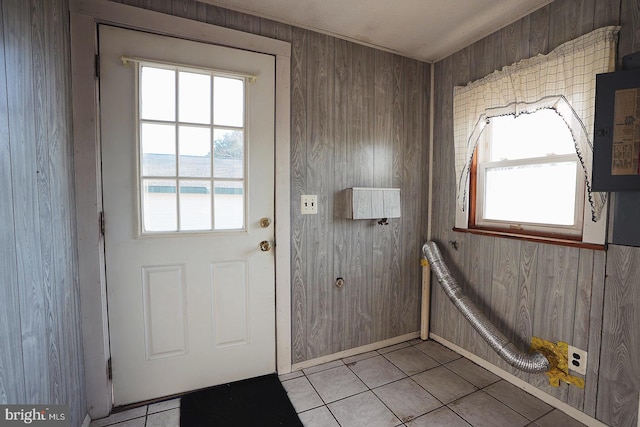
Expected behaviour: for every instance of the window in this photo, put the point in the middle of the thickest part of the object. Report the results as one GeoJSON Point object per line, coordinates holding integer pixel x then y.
{"type": "Point", "coordinates": [191, 150]}
{"type": "Point", "coordinates": [528, 178]}
{"type": "Point", "coordinates": [523, 145]}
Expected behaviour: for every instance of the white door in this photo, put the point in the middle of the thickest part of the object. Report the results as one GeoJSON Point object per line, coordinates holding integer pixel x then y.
{"type": "Point", "coordinates": [187, 134]}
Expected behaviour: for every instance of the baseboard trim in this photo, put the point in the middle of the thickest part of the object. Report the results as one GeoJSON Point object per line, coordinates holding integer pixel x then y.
{"type": "Point", "coordinates": [353, 351]}
{"type": "Point", "coordinates": [638, 410]}
{"type": "Point", "coordinates": [550, 400]}
{"type": "Point", "coordinates": [87, 421]}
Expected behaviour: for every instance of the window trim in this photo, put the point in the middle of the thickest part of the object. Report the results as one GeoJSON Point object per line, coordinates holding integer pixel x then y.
{"type": "Point", "coordinates": [477, 172]}
{"type": "Point", "coordinates": [476, 185]}
{"type": "Point", "coordinates": [568, 231]}
{"type": "Point", "coordinates": [551, 240]}
{"type": "Point", "coordinates": [526, 235]}
{"type": "Point", "coordinates": [594, 231]}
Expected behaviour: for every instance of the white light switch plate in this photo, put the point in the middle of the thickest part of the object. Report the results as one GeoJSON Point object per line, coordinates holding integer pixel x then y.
{"type": "Point", "coordinates": [309, 204]}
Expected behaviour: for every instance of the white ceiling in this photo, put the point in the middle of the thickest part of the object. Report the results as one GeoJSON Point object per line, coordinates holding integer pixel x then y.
{"type": "Point", "coordinates": [428, 30]}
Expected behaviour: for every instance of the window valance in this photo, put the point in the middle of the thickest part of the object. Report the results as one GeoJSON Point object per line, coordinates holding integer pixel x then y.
{"type": "Point", "coordinates": [563, 80]}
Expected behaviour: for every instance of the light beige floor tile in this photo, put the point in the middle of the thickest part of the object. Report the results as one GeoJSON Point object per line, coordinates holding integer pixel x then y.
{"type": "Point", "coordinates": [359, 357]}
{"type": "Point", "coordinates": [301, 394]}
{"type": "Point", "coordinates": [481, 410]}
{"type": "Point", "coordinates": [456, 383]}
{"type": "Point", "coordinates": [120, 416]}
{"type": "Point", "coordinates": [443, 417]}
{"type": "Point", "coordinates": [163, 406]}
{"type": "Point", "coordinates": [318, 417]}
{"type": "Point", "coordinates": [363, 409]}
{"type": "Point", "coordinates": [437, 351]}
{"type": "Point", "coordinates": [290, 376]}
{"type": "Point", "coordinates": [394, 347]}
{"type": "Point", "coordinates": [443, 384]}
{"type": "Point", "coordinates": [170, 418]}
{"type": "Point", "coordinates": [337, 383]}
{"type": "Point", "coordinates": [406, 399]}
{"type": "Point", "coordinates": [411, 360]}
{"type": "Point", "coordinates": [519, 400]}
{"type": "Point", "coordinates": [556, 418]}
{"type": "Point", "coordinates": [376, 371]}
{"type": "Point", "coordinates": [322, 367]}
{"type": "Point", "coordinates": [136, 422]}
{"type": "Point", "coordinates": [473, 373]}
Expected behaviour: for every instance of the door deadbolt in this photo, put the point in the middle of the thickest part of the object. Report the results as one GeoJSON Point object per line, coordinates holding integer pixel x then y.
{"type": "Point", "coordinates": [265, 222]}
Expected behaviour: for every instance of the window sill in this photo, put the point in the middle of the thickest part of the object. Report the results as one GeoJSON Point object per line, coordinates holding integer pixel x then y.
{"type": "Point", "coordinates": [528, 238]}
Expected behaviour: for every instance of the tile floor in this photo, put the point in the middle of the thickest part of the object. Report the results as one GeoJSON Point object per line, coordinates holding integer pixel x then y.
{"type": "Point", "coordinates": [412, 384]}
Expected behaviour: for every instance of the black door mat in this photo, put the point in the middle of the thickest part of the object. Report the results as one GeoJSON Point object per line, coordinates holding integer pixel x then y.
{"type": "Point", "coordinates": [256, 402]}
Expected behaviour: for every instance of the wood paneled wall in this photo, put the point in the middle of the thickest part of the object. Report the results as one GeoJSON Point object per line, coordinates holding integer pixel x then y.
{"type": "Point", "coordinates": [359, 118]}
{"type": "Point", "coordinates": [619, 363]}
{"type": "Point", "coordinates": [41, 358]}
{"type": "Point", "coordinates": [552, 292]}
{"type": "Point", "coordinates": [619, 384]}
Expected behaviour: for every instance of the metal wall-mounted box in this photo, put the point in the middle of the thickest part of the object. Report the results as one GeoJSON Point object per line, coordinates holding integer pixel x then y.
{"type": "Point", "coordinates": [372, 203]}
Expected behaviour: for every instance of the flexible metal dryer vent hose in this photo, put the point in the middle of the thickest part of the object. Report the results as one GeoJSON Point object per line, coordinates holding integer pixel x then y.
{"type": "Point", "coordinates": [527, 362]}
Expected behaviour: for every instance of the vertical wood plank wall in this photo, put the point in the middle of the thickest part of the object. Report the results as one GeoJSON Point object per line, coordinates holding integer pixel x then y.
{"type": "Point", "coordinates": [556, 293]}
{"type": "Point", "coordinates": [619, 379]}
{"type": "Point", "coordinates": [359, 118]}
{"type": "Point", "coordinates": [41, 358]}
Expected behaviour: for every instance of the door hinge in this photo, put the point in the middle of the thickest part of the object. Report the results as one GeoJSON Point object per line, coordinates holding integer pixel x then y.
{"type": "Point", "coordinates": [109, 370]}
{"type": "Point", "coordinates": [97, 66]}
{"type": "Point", "coordinates": [101, 221]}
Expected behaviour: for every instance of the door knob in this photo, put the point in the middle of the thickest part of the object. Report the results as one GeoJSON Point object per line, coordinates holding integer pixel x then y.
{"type": "Point", "coordinates": [265, 246]}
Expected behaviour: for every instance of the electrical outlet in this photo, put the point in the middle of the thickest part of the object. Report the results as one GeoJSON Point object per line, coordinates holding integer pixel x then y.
{"type": "Point", "coordinates": [577, 360]}
{"type": "Point", "coordinates": [309, 204]}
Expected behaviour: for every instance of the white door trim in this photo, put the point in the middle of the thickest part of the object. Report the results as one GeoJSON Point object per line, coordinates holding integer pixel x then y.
{"type": "Point", "coordinates": [85, 15]}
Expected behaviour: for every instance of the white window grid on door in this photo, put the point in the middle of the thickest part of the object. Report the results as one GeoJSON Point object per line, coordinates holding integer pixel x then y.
{"type": "Point", "coordinates": [175, 184]}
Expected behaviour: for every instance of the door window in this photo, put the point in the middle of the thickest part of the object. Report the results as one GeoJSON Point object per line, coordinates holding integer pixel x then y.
{"type": "Point", "coordinates": [192, 141]}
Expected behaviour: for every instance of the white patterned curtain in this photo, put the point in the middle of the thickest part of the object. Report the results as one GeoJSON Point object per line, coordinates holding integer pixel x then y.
{"type": "Point", "coordinates": [563, 80]}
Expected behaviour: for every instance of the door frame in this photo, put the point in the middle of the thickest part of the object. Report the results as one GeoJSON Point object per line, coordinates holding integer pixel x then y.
{"type": "Point", "coordinates": [85, 17]}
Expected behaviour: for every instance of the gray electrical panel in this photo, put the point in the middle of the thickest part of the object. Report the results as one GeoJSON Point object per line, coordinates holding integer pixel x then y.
{"type": "Point", "coordinates": [625, 208]}
{"type": "Point", "coordinates": [626, 219]}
